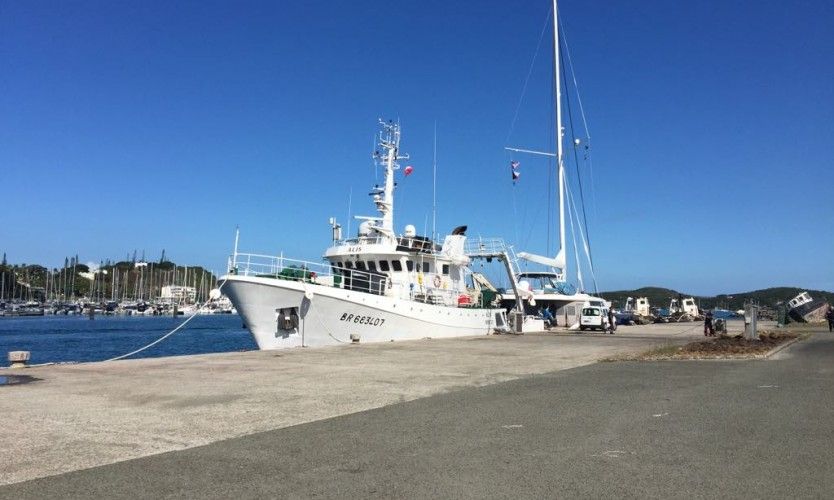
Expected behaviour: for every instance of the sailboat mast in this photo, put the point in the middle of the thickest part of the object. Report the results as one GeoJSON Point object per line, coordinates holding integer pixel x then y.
{"type": "Point", "coordinates": [559, 152]}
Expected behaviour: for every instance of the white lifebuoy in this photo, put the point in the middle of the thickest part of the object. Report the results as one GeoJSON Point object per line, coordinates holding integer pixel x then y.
{"type": "Point", "coordinates": [436, 281]}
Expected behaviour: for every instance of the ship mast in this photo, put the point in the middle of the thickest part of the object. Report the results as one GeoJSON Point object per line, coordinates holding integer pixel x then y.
{"type": "Point", "coordinates": [389, 141]}
{"type": "Point", "coordinates": [559, 151]}
{"type": "Point", "coordinates": [558, 262]}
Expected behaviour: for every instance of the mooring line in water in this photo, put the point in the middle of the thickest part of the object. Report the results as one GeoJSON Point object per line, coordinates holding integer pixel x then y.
{"type": "Point", "coordinates": [160, 339]}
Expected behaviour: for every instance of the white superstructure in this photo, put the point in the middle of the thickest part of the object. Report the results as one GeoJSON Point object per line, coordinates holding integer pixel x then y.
{"type": "Point", "coordinates": [378, 286]}
{"type": "Point", "coordinates": [684, 306]}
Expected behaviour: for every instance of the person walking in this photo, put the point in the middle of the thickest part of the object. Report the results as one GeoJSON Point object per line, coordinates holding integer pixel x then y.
{"type": "Point", "coordinates": [709, 331]}
{"type": "Point", "coordinates": [830, 317]}
{"type": "Point", "coordinates": [612, 321]}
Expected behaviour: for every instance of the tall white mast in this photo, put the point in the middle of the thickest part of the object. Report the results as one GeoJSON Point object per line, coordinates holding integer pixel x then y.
{"type": "Point", "coordinates": [390, 142]}
{"type": "Point", "coordinates": [558, 262]}
{"type": "Point", "coordinates": [556, 69]}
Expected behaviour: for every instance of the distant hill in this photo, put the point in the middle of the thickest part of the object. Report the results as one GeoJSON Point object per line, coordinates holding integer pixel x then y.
{"type": "Point", "coordinates": [772, 297]}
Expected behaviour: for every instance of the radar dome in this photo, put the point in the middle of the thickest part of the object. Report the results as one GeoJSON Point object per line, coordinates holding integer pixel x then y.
{"type": "Point", "coordinates": [410, 231]}
{"type": "Point", "coordinates": [365, 228]}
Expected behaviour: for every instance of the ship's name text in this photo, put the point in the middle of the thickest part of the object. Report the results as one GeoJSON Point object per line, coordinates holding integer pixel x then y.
{"type": "Point", "coordinates": [362, 320]}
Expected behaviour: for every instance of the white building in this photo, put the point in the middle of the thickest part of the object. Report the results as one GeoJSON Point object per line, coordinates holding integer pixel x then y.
{"type": "Point", "coordinates": [175, 293]}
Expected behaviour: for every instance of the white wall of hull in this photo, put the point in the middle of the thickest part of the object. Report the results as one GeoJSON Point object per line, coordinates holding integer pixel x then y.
{"type": "Point", "coordinates": [332, 314]}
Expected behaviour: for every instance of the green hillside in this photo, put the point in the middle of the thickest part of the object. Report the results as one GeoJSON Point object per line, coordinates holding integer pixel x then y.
{"type": "Point", "coordinates": [772, 297]}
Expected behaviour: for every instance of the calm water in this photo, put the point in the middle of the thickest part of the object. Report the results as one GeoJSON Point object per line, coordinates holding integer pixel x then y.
{"type": "Point", "coordinates": [78, 338]}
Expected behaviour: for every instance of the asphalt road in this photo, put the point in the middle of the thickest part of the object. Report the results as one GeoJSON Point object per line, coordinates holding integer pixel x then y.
{"type": "Point", "coordinates": [751, 429]}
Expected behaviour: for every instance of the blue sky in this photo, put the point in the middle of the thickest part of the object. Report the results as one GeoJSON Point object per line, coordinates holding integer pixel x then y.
{"type": "Point", "coordinates": [151, 125]}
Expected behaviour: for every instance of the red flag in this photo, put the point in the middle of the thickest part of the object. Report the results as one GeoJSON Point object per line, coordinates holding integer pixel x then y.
{"type": "Point", "coordinates": [408, 170]}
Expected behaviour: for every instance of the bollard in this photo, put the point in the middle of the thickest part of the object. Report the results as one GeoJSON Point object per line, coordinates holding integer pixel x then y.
{"type": "Point", "coordinates": [751, 314]}
{"type": "Point", "coordinates": [18, 359]}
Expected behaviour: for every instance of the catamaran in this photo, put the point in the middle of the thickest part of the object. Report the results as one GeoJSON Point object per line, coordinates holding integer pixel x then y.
{"type": "Point", "coordinates": [547, 289]}
{"type": "Point", "coordinates": [377, 286]}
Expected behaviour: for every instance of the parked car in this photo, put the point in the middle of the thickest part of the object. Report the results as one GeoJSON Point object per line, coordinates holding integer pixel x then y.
{"type": "Point", "coordinates": [593, 318]}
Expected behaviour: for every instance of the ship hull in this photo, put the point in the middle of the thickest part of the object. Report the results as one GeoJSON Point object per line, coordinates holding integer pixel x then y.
{"type": "Point", "coordinates": [334, 316]}
{"type": "Point", "coordinates": [811, 312]}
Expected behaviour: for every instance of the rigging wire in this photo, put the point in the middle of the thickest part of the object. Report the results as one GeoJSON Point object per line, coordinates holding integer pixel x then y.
{"type": "Point", "coordinates": [587, 236]}
{"type": "Point", "coordinates": [515, 116]}
{"type": "Point", "coordinates": [587, 155]}
{"type": "Point", "coordinates": [529, 73]}
{"type": "Point", "coordinates": [573, 238]}
{"type": "Point", "coordinates": [584, 240]}
{"type": "Point", "coordinates": [552, 166]}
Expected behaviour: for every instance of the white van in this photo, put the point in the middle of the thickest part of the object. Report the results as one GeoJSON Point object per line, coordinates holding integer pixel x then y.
{"type": "Point", "coordinates": [593, 318]}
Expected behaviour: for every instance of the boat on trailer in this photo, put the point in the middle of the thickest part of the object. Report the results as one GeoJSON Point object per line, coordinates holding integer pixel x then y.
{"type": "Point", "coordinates": [378, 286]}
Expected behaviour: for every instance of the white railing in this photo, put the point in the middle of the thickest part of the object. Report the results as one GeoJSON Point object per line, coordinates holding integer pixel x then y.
{"type": "Point", "coordinates": [250, 264]}
{"type": "Point", "coordinates": [280, 267]}
{"type": "Point", "coordinates": [487, 247]}
{"type": "Point", "coordinates": [364, 240]}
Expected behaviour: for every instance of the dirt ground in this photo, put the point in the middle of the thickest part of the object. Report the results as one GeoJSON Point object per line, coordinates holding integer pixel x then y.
{"type": "Point", "coordinates": [720, 347]}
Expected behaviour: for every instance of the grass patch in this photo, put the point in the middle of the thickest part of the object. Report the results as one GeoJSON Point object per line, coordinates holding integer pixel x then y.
{"type": "Point", "coordinates": [721, 347]}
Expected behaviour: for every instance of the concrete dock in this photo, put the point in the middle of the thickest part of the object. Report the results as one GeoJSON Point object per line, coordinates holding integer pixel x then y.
{"type": "Point", "coordinates": [85, 415]}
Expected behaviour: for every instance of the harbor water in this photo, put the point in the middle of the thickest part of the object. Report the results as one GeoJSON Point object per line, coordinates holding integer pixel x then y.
{"type": "Point", "coordinates": [57, 339]}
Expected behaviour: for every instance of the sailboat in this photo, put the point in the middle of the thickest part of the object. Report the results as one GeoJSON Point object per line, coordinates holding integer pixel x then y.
{"type": "Point", "coordinates": [546, 289]}
{"type": "Point", "coordinates": [378, 286]}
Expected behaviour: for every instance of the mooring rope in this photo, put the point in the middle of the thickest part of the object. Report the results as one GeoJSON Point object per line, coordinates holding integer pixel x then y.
{"type": "Point", "coordinates": [160, 339]}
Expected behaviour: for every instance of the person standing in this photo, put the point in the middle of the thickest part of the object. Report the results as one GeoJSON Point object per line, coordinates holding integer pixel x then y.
{"type": "Point", "coordinates": [709, 331]}
{"type": "Point", "coordinates": [548, 318]}
{"type": "Point", "coordinates": [612, 321]}
{"type": "Point", "coordinates": [830, 317]}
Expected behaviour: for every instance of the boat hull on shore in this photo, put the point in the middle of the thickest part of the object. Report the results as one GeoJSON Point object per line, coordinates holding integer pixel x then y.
{"type": "Point", "coordinates": [284, 313]}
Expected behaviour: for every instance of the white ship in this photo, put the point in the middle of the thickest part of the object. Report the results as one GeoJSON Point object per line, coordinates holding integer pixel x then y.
{"type": "Point", "coordinates": [376, 287]}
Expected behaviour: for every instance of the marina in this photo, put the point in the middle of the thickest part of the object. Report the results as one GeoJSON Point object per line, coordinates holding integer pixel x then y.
{"type": "Point", "coordinates": [345, 296]}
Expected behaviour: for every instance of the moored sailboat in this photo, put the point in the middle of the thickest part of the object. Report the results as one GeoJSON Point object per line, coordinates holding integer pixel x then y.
{"type": "Point", "coordinates": [546, 293]}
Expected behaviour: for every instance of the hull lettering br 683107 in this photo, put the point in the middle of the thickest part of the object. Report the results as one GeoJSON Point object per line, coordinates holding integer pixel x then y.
{"type": "Point", "coordinates": [362, 320]}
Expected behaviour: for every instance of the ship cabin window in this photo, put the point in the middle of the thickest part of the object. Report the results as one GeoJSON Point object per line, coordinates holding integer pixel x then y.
{"type": "Point", "coordinates": [426, 267]}
{"type": "Point", "coordinates": [409, 264]}
{"type": "Point", "coordinates": [348, 264]}
{"type": "Point", "coordinates": [396, 265]}
{"type": "Point", "coordinates": [446, 269]}
{"type": "Point", "coordinates": [383, 265]}
{"type": "Point", "coordinates": [371, 265]}
{"type": "Point", "coordinates": [360, 265]}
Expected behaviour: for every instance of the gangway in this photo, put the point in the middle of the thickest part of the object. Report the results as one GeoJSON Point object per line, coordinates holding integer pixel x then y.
{"type": "Point", "coordinates": [495, 248]}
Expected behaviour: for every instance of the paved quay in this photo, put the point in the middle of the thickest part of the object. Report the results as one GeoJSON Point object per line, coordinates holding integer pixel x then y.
{"type": "Point", "coordinates": [685, 429]}
{"type": "Point", "coordinates": [86, 415]}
